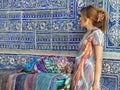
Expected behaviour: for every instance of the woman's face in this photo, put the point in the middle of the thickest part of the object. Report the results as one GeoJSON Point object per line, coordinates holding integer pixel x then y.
{"type": "Point", "coordinates": [84, 21]}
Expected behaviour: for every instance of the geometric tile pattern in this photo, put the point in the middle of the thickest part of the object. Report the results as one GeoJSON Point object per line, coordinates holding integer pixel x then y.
{"type": "Point", "coordinates": [52, 25]}
{"type": "Point", "coordinates": [110, 82]}
{"type": "Point", "coordinates": [14, 61]}
{"type": "Point", "coordinates": [41, 24]}
{"type": "Point", "coordinates": [113, 32]}
{"type": "Point", "coordinates": [111, 74]}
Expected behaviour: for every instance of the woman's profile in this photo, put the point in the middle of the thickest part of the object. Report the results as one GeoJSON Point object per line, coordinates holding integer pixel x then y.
{"type": "Point", "coordinates": [88, 63]}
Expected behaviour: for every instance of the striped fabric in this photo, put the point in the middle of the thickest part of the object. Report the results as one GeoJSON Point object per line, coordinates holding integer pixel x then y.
{"type": "Point", "coordinates": [25, 81]}
{"type": "Point", "coordinates": [43, 73]}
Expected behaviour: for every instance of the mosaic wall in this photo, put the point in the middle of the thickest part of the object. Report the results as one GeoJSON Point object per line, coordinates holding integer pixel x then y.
{"type": "Point", "coordinates": [54, 25]}
{"type": "Point", "coordinates": [41, 24]}
{"type": "Point", "coordinates": [113, 32]}
{"type": "Point", "coordinates": [111, 74]}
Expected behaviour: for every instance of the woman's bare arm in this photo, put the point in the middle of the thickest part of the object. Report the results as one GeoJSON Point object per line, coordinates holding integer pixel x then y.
{"type": "Point", "coordinates": [98, 64]}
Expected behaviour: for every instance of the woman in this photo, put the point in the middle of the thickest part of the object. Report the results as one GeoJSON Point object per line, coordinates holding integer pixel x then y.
{"type": "Point", "coordinates": [88, 65]}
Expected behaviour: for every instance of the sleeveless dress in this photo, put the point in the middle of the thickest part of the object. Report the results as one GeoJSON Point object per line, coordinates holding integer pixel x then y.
{"type": "Point", "coordinates": [83, 76]}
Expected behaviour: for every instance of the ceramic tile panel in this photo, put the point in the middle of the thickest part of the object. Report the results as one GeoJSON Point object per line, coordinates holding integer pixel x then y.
{"type": "Point", "coordinates": [110, 82]}
{"type": "Point", "coordinates": [111, 74]}
{"type": "Point", "coordinates": [54, 25]}
{"type": "Point", "coordinates": [14, 61]}
{"type": "Point", "coordinates": [41, 20]}
{"type": "Point", "coordinates": [113, 32]}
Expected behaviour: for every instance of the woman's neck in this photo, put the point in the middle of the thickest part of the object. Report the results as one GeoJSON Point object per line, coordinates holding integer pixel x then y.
{"type": "Point", "coordinates": [90, 27]}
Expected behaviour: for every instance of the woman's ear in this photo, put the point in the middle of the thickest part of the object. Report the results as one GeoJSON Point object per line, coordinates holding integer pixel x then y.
{"type": "Point", "coordinates": [89, 21]}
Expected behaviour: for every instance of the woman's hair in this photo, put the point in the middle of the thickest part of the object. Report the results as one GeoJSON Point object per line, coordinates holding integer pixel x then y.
{"type": "Point", "coordinates": [98, 16]}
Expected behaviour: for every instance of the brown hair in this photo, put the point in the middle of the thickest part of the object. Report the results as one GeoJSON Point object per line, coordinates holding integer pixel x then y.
{"type": "Point", "coordinates": [98, 16]}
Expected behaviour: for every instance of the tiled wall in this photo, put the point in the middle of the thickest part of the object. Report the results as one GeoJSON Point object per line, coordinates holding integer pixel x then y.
{"type": "Point", "coordinates": [29, 28]}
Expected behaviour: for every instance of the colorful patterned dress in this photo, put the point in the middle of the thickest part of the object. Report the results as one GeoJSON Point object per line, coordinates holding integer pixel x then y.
{"type": "Point", "coordinates": [84, 66]}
